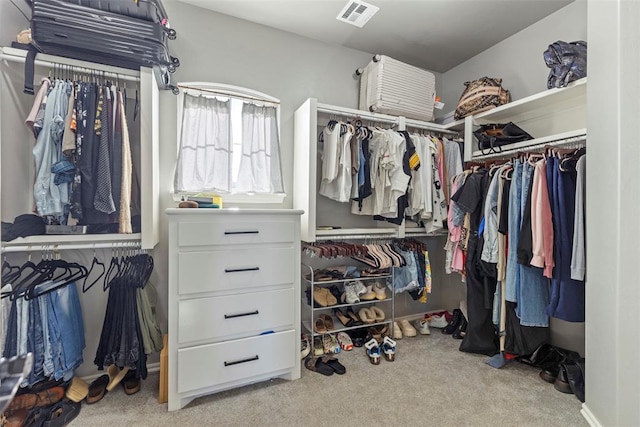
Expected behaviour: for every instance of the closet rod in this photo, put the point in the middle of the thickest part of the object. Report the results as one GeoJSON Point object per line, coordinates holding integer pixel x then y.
{"type": "Point", "coordinates": [413, 125]}
{"type": "Point", "coordinates": [366, 117]}
{"type": "Point", "coordinates": [70, 246]}
{"type": "Point", "coordinates": [78, 66]}
{"type": "Point", "coordinates": [579, 140]}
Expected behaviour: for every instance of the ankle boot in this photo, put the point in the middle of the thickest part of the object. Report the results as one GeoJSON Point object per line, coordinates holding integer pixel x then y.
{"type": "Point", "coordinates": [454, 323]}
{"type": "Point", "coordinates": [462, 330]}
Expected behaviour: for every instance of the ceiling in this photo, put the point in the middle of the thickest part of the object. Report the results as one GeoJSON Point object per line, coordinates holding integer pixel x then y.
{"type": "Point", "coordinates": [433, 34]}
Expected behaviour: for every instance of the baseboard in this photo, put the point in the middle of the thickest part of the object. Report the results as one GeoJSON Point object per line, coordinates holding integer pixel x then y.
{"type": "Point", "coordinates": [151, 367]}
{"type": "Point", "coordinates": [588, 415]}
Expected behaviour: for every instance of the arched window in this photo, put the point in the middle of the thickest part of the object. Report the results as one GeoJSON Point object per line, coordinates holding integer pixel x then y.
{"type": "Point", "coordinates": [228, 143]}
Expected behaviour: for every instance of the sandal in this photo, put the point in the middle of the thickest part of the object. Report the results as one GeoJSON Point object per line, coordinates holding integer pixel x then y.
{"type": "Point", "coordinates": [367, 315]}
{"type": "Point", "coordinates": [131, 383]}
{"type": "Point", "coordinates": [345, 341]}
{"type": "Point", "coordinates": [316, 364]}
{"type": "Point", "coordinates": [352, 314]}
{"type": "Point", "coordinates": [389, 349]}
{"type": "Point", "coordinates": [378, 314]}
{"type": "Point", "coordinates": [328, 322]}
{"type": "Point", "coordinates": [97, 389]}
{"type": "Point", "coordinates": [115, 375]}
{"type": "Point", "coordinates": [373, 351]}
{"type": "Point", "coordinates": [333, 363]}
{"type": "Point", "coordinates": [319, 325]}
{"type": "Point", "coordinates": [62, 414]}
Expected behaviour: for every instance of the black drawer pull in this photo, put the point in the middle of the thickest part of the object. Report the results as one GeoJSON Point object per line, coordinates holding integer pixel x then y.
{"type": "Point", "coordinates": [231, 316]}
{"type": "Point", "coordinates": [238, 270]}
{"type": "Point", "coordinates": [242, 361]}
{"type": "Point", "coordinates": [241, 232]}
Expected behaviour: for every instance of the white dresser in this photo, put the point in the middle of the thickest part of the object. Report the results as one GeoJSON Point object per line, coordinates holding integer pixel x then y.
{"type": "Point", "coordinates": [234, 299]}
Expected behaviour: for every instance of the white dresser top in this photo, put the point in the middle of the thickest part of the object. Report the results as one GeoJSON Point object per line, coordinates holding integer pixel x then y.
{"type": "Point", "coordinates": [231, 211]}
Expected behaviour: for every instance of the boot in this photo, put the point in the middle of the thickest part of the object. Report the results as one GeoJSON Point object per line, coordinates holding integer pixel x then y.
{"type": "Point", "coordinates": [461, 331]}
{"type": "Point", "coordinates": [454, 323]}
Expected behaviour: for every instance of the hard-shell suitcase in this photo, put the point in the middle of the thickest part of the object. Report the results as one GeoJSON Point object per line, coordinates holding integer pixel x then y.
{"type": "Point", "coordinates": [115, 39]}
{"type": "Point", "coordinates": [392, 87]}
{"type": "Point", "coordinates": [149, 10]}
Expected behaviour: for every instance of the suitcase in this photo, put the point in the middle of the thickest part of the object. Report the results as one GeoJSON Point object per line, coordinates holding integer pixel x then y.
{"type": "Point", "coordinates": [392, 87]}
{"type": "Point", "coordinates": [148, 10]}
{"type": "Point", "coordinates": [56, 23]}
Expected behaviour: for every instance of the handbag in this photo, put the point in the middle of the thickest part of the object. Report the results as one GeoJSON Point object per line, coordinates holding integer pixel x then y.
{"type": "Point", "coordinates": [492, 137]}
{"type": "Point", "coordinates": [481, 95]}
{"type": "Point", "coordinates": [567, 61]}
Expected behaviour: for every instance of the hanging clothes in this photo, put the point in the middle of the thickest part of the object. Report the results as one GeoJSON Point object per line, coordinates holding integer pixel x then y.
{"type": "Point", "coordinates": [81, 169]}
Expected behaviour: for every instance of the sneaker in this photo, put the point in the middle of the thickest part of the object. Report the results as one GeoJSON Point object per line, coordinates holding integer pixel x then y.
{"type": "Point", "coordinates": [389, 349]}
{"type": "Point", "coordinates": [350, 295]}
{"type": "Point", "coordinates": [318, 347]}
{"type": "Point", "coordinates": [345, 341]}
{"type": "Point", "coordinates": [437, 321]}
{"type": "Point", "coordinates": [397, 332]}
{"type": "Point", "coordinates": [305, 346]}
{"type": "Point", "coordinates": [407, 329]}
{"type": "Point", "coordinates": [422, 326]}
{"type": "Point", "coordinates": [359, 287]}
{"type": "Point", "coordinates": [373, 351]}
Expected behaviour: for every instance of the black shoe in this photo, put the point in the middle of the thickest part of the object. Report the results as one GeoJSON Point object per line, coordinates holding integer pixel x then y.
{"type": "Point", "coordinates": [462, 330]}
{"type": "Point", "coordinates": [453, 323]}
{"type": "Point", "coordinates": [549, 375]}
{"type": "Point", "coordinates": [562, 383]}
{"type": "Point", "coordinates": [336, 292]}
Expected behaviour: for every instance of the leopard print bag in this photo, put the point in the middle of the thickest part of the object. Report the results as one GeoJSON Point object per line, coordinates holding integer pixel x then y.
{"type": "Point", "coordinates": [481, 95]}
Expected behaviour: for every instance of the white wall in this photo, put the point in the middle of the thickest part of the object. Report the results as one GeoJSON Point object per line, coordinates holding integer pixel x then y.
{"type": "Point", "coordinates": [613, 203]}
{"type": "Point", "coordinates": [518, 59]}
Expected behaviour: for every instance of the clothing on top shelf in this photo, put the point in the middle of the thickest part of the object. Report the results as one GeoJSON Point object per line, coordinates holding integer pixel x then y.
{"type": "Point", "coordinates": [388, 174]}
{"type": "Point", "coordinates": [82, 154]}
{"type": "Point", "coordinates": [524, 221]}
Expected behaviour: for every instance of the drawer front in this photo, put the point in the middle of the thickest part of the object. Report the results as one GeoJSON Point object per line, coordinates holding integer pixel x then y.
{"type": "Point", "coordinates": [214, 364]}
{"type": "Point", "coordinates": [250, 314]}
{"type": "Point", "coordinates": [231, 231]}
{"type": "Point", "coordinates": [235, 269]}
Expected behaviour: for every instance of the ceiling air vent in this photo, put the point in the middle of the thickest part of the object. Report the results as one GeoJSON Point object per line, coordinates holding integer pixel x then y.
{"type": "Point", "coordinates": [357, 13]}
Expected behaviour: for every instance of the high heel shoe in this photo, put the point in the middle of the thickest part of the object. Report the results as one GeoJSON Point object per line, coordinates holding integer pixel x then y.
{"type": "Point", "coordinates": [352, 314]}
{"type": "Point", "coordinates": [346, 321]}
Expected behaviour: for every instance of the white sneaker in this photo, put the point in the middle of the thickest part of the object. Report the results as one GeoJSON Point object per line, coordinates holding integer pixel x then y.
{"type": "Point", "coordinates": [438, 321]}
{"type": "Point", "coordinates": [423, 327]}
{"type": "Point", "coordinates": [350, 295]}
{"type": "Point", "coordinates": [359, 287]}
{"type": "Point", "coordinates": [397, 332]}
{"type": "Point", "coordinates": [407, 329]}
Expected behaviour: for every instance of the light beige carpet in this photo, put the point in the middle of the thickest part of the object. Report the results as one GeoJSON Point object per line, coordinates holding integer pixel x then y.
{"type": "Point", "coordinates": [431, 383]}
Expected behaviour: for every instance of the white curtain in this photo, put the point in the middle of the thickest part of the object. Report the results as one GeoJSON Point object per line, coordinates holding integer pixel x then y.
{"type": "Point", "coordinates": [259, 170]}
{"type": "Point", "coordinates": [204, 160]}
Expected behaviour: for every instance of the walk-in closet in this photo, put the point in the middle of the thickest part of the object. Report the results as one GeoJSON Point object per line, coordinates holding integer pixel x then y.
{"type": "Point", "coordinates": [212, 222]}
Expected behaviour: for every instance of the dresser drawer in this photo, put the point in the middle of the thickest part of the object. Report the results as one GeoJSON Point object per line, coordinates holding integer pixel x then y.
{"type": "Point", "coordinates": [234, 269]}
{"type": "Point", "coordinates": [250, 314]}
{"type": "Point", "coordinates": [214, 364]}
{"type": "Point", "coordinates": [231, 231]}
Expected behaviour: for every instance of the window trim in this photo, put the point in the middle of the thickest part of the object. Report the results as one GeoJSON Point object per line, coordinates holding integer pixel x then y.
{"type": "Point", "coordinates": [225, 90]}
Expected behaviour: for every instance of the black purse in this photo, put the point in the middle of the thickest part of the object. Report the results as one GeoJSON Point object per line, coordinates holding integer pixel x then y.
{"type": "Point", "coordinates": [493, 136]}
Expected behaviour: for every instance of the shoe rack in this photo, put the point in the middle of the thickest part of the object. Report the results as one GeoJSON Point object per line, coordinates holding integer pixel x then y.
{"type": "Point", "coordinates": [312, 312]}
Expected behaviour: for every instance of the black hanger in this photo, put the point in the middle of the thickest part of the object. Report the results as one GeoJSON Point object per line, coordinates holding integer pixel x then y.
{"type": "Point", "coordinates": [72, 272]}
{"type": "Point", "coordinates": [94, 263]}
